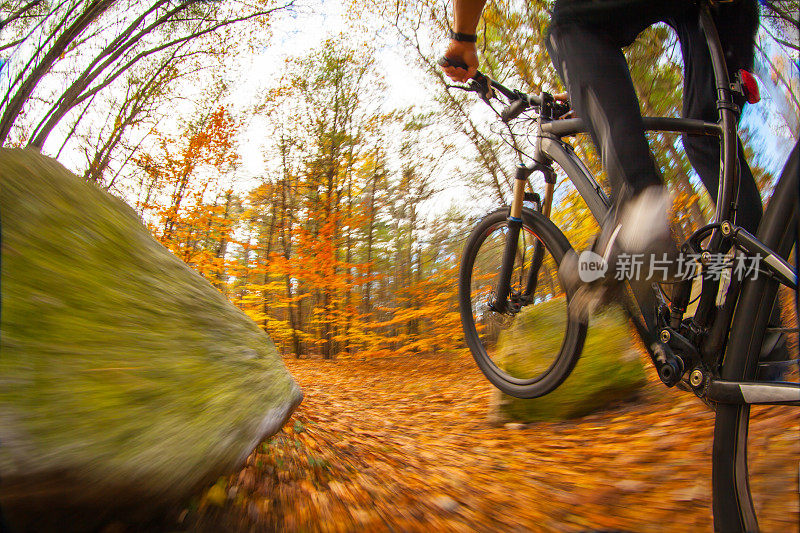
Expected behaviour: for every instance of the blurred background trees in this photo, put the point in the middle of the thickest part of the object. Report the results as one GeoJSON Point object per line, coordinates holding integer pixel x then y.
{"type": "Point", "coordinates": [345, 238]}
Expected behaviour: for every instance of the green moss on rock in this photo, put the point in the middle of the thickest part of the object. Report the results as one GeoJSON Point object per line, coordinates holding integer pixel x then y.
{"type": "Point", "coordinates": [609, 369]}
{"type": "Point", "coordinates": [125, 376]}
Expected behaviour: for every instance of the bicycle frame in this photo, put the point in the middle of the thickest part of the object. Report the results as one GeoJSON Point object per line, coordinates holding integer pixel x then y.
{"type": "Point", "coordinates": [734, 330]}
{"type": "Point", "coordinates": [549, 148]}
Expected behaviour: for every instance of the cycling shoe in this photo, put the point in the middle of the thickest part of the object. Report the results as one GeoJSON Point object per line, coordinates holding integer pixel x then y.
{"type": "Point", "coordinates": [635, 246]}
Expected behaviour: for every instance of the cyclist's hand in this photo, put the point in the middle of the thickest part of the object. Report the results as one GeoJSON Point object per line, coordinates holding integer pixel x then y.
{"type": "Point", "coordinates": [461, 52]}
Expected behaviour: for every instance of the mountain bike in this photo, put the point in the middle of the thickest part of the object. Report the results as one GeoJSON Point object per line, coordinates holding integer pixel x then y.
{"type": "Point", "coordinates": [509, 277]}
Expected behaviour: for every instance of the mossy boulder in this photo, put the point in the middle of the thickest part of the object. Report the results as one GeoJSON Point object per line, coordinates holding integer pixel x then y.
{"type": "Point", "coordinates": [127, 382]}
{"type": "Point", "coordinates": [609, 370]}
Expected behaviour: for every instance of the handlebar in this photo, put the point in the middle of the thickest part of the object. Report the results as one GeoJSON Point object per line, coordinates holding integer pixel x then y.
{"type": "Point", "coordinates": [518, 101]}
{"type": "Point", "coordinates": [513, 110]}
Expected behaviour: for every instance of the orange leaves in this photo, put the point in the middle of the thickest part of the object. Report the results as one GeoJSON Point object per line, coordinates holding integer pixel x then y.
{"type": "Point", "coordinates": [187, 207]}
{"type": "Point", "coordinates": [403, 444]}
{"type": "Point", "coordinates": [328, 253]}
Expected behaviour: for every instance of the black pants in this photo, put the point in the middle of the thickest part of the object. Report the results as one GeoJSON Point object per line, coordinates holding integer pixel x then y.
{"type": "Point", "coordinates": [585, 43]}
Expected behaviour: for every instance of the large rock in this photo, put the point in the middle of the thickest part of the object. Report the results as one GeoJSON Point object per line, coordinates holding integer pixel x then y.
{"type": "Point", "coordinates": [609, 370]}
{"type": "Point", "coordinates": [127, 381]}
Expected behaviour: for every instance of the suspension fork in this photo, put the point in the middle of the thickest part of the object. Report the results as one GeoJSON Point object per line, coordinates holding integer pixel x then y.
{"type": "Point", "coordinates": [503, 289]}
{"type": "Point", "coordinates": [544, 165]}
{"type": "Point", "coordinates": [538, 249]}
{"type": "Point", "coordinates": [500, 303]}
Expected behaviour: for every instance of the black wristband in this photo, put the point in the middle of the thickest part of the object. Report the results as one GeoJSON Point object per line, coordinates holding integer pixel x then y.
{"type": "Point", "coordinates": [463, 37]}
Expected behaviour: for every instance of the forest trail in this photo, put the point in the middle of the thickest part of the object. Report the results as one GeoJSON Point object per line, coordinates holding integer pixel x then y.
{"type": "Point", "coordinates": [403, 444]}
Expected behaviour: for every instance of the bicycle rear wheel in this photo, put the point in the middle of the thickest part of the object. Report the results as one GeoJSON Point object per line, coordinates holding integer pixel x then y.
{"type": "Point", "coordinates": [527, 347]}
{"type": "Point", "coordinates": [733, 505]}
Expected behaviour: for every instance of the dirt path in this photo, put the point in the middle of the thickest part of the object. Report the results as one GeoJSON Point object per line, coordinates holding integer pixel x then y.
{"type": "Point", "coordinates": [403, 445]}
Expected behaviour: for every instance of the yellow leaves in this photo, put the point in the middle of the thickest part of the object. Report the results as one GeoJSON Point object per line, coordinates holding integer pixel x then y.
{"type": "Point", "coordinates": [292, 252]}
{"type": "Point", "coordinates": [217, 495]}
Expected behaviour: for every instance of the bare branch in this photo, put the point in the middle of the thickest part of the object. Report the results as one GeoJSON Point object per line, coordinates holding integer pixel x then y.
{"type": "Point", "coordinates": [19, 14]}
{"type": "Point", "coordinates": [74, 94]}
{"type": "Point", "coordinates": [112, 51]}
{"type": "Point", "coordinates": [779, 76]}
{"type": "Point", "coordinates": [781, 41]}
{"type": "Point", "coordinates": [13, 108]}
{"type": "Point", "coordinates": [41, 46]}
{"type": "Point", "coordinates": [12, 44]}
{"type": "Point", "coordinates": [779, 13]}
{"type": "Point", "coordinates": [128, 114]}
{"type": "Point", "coordinates": [74, 127]}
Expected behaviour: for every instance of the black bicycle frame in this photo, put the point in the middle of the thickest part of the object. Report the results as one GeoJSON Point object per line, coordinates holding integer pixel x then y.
{"type": "Point", "coordinates": [550, 147]}
{"type": "Point", "coordinates": [736, 328]}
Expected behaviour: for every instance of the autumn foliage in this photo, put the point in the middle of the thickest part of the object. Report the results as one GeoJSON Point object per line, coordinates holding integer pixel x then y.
{"type": "Point", "coordinates": [402, 444]}
{"type": "Point", "coordinates": [331, 254]}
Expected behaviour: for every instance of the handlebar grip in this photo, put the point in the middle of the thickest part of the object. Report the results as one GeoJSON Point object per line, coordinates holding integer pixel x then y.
{"type": "Point", "coordinates": [513, 110]}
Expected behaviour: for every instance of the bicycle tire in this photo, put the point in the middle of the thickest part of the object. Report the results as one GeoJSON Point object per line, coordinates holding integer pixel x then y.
{"type": "Point", "coordinates": [484, 247]}
{"type": "Point", "coordinates": [732, 501]}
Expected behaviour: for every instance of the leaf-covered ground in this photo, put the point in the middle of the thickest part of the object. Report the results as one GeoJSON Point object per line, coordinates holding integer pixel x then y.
{"type": "Point", "coordinates": [403, 444]}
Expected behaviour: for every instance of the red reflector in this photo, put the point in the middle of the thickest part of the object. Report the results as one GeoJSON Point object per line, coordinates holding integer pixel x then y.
{"type": "Point", "coordinates": [750, 87]}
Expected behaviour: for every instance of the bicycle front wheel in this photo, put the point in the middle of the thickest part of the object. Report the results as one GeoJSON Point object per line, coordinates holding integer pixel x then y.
{"type": "Point", "coordinates": [525, 344]}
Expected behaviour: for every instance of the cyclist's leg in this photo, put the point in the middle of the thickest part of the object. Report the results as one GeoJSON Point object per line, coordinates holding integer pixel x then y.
{"type": "Point", "coordinates": [585, 44]}
{"type": "Point", "coordinates": [699, 102]}
{"type": "Point", "coordinates": [601, 92]}
{"type": "Point", "coordinates": [588, 55]}
{"type": "Point", "coordinates": [704, 152]}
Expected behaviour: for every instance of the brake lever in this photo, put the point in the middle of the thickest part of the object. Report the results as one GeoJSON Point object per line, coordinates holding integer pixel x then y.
{"type": "Point", "coordinates": [479, 84]}
{"type": "Point", "coordinates": [482, 87]}
{"type": "Point", "coordinates": [513, 110]}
